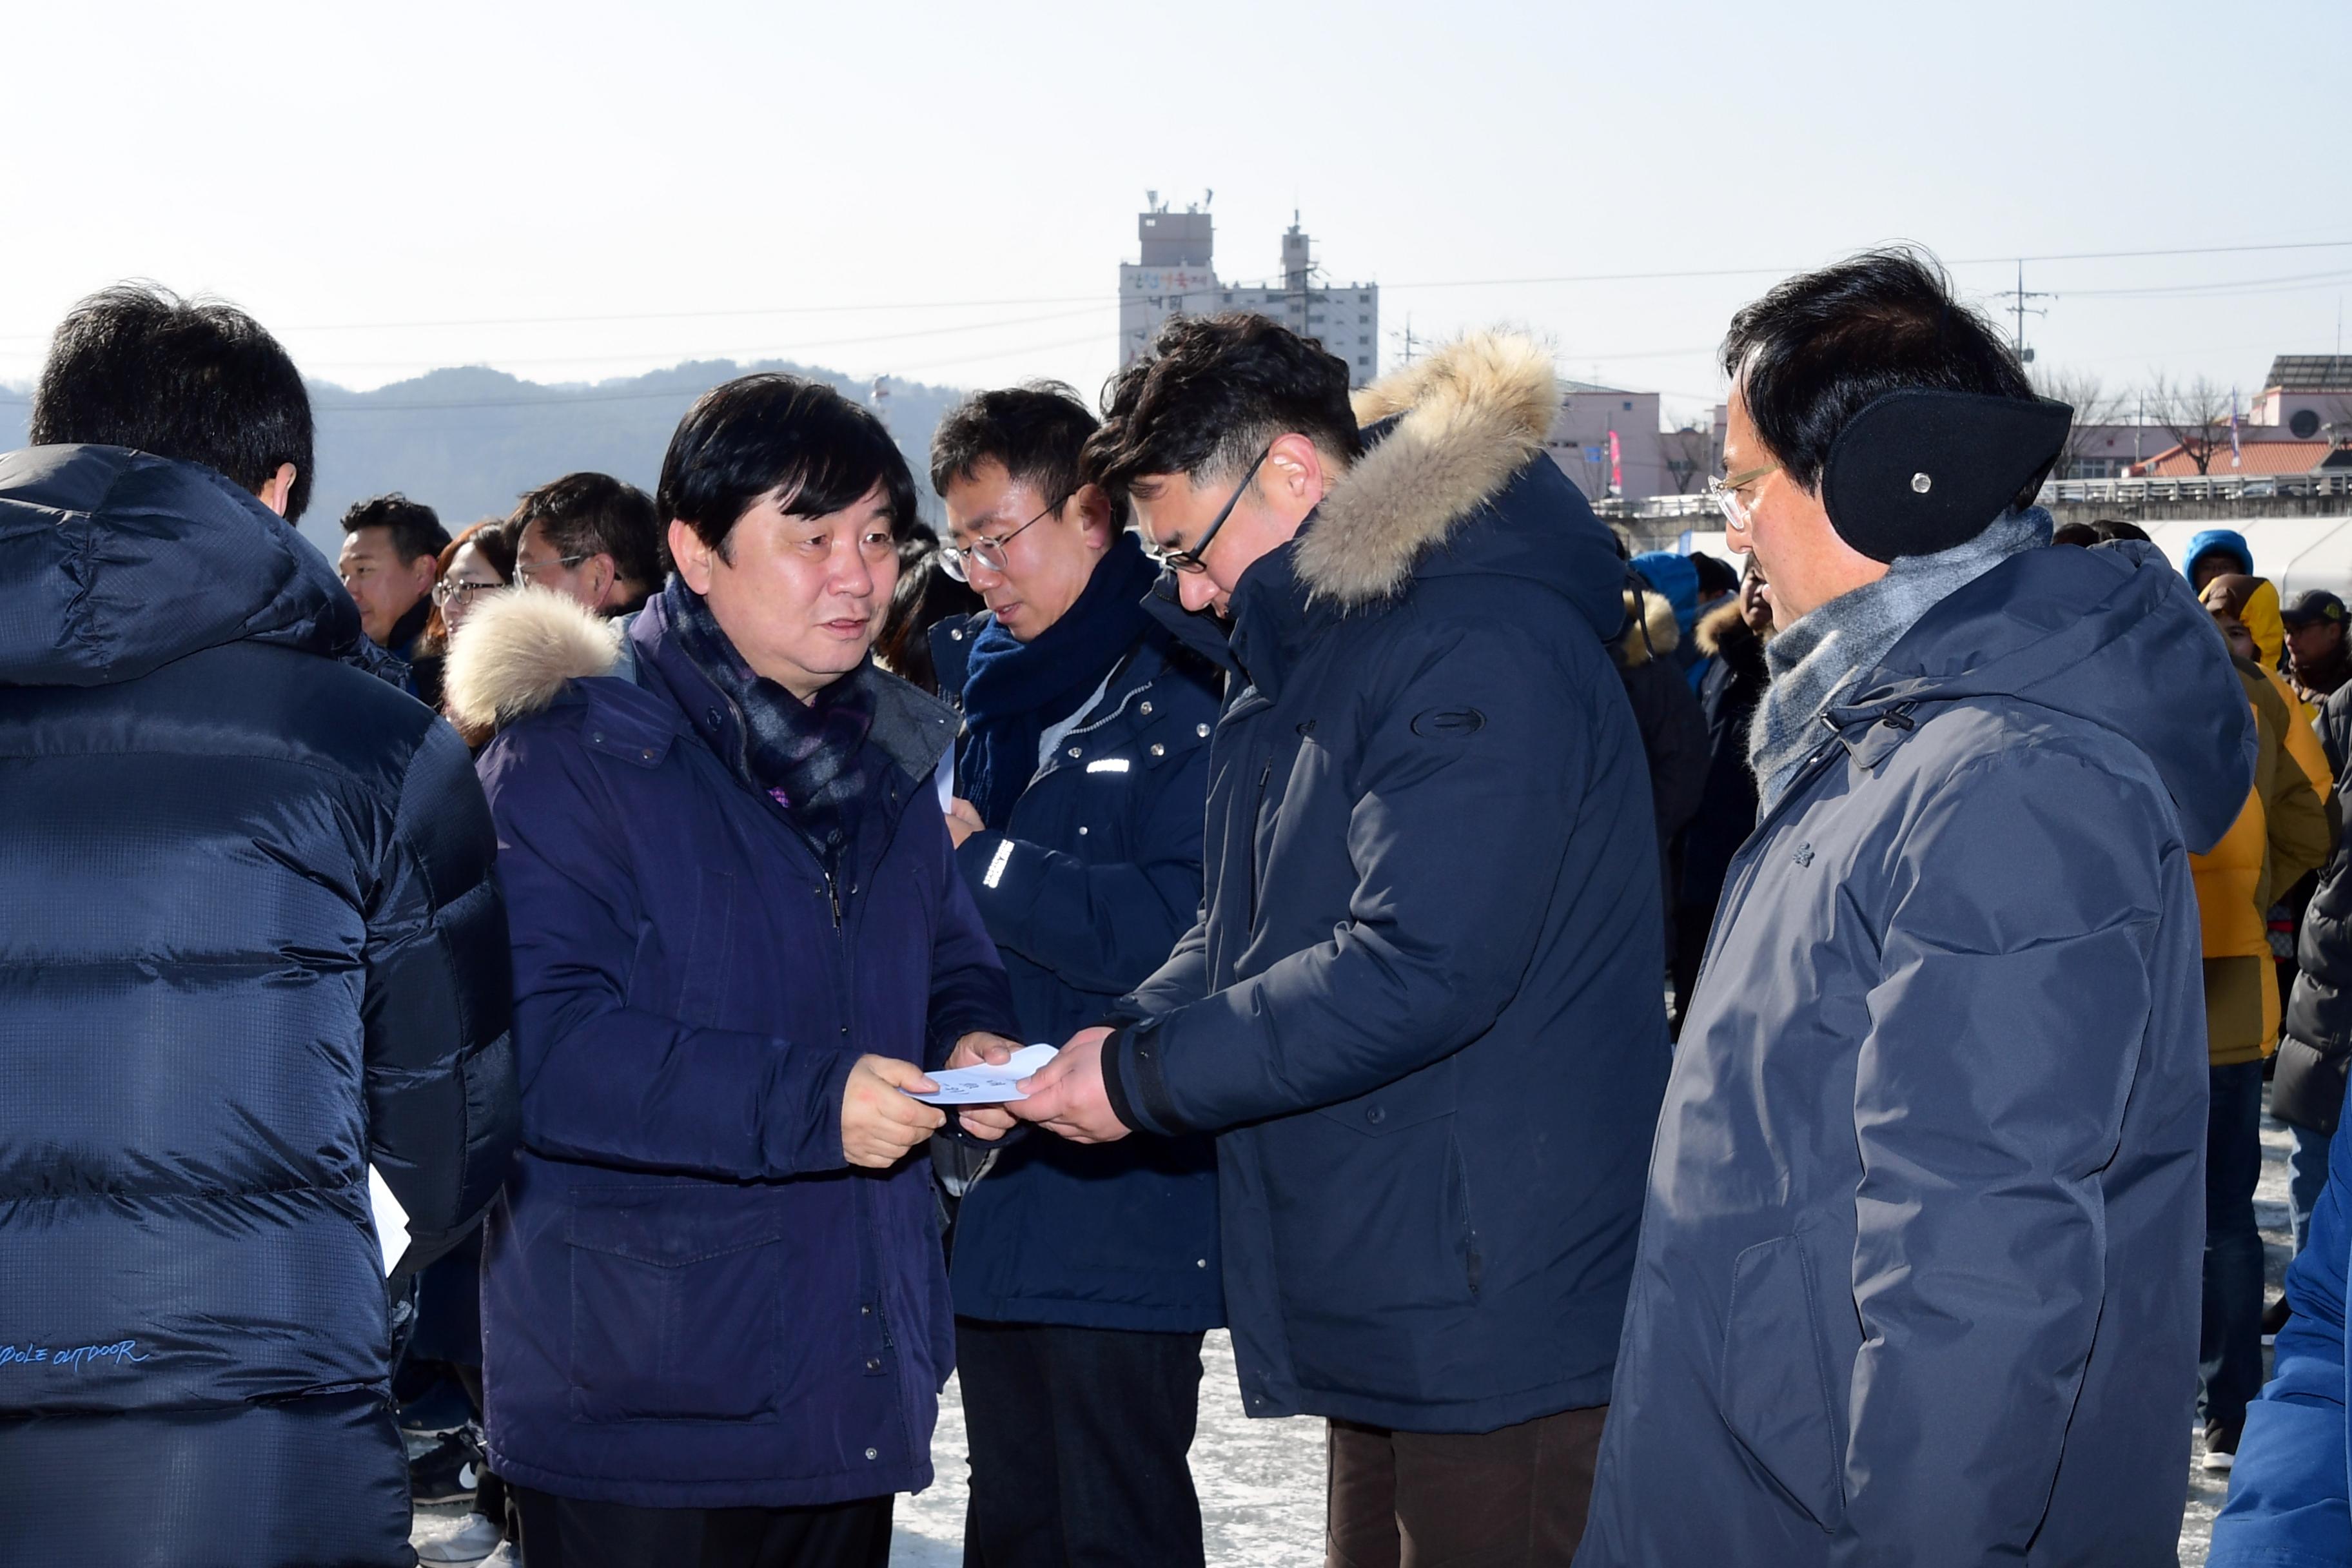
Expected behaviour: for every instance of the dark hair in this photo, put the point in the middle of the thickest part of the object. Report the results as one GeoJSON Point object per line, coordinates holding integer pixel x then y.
{"type": "Point", "coordinates": [1214, 391]}
{"type": "Point", "coordinates": [596, 514]}
{"type": "Point", "coordinates": [415, 528]}
{"type": "Point", "coordinates": [925, 596]}
{"type": "Point", "coordinates": [2110, 528]}
{"type": "Point", "coordinates": [759, 433]}
{"type": "Point", "coordinates": [1037, 431]}
{"type": "Point", "coordinates": [494, 539]}
{"type": "Point", "coordinates": [2077, 533]}
{"type": "Point", "coordinates": [1823, 346]}
{"type": "Point", "coordinates": [1715, 576]}
{"type": "Point", "coordinates": [196, 380]}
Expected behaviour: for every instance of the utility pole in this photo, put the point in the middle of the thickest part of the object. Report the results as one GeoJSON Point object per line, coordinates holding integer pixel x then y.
{"type": "Point", "coordinates": [2020, 294]}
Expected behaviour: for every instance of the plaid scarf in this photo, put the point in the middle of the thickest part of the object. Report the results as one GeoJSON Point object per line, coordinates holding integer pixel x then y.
{"type": "Point", "coordinates": [809, 758]}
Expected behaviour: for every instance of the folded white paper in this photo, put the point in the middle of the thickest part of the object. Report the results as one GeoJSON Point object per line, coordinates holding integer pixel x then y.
{"type": "Point", "coordinates": [391, 1220]}
{"type": "Point", "coordinates": [987, 1084]}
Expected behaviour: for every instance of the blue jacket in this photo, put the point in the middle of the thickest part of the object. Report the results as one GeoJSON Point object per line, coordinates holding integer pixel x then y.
{"type": "Point", "coordinates": [249, 946]}
{"type": "Point", "coordinates": [2226, 541]}
{"type": "Point", "coordinates": [688, 1298]}
{"type": "Point", "coordinates": [1919, 1276]}
{"type": "Point", "coordinates": [2290, 1490]}
{"type": "Point", "coordinates": [1085, 892]}
{"type": "Point", "coordinates": [1423, 1010]}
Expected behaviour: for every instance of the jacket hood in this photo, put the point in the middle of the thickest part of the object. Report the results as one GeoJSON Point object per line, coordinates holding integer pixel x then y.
{"type": "Point", "coordinates": [1650, 630]}
{"type": "Point", "coordinates": [115, 562]}
{"type": "Point", "coordinates": [2111, 635]}
{"type": "Point", "coordinates": [2228, 541]}
{"type": "Point", "coordinates": [519, 650]}
{"type": "Point", "coordinates": [1724, 633]}
{"type": "Point", "coordinates": [1456, 439]}
{"type": "Point", "coordinates": [1675, 576]}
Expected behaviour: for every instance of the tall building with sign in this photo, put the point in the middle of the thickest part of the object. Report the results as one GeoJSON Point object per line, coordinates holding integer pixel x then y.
{"type": "Point", "coordinates": [1177, 277]}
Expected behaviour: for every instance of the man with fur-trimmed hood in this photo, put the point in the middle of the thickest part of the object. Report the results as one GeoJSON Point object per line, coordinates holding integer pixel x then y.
{"type": "Point", "coordinates": [1421, 1010]}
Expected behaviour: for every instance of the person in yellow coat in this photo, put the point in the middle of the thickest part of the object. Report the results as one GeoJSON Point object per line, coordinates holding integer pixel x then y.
{"type": "Point", "coordinates": [2284, 832]}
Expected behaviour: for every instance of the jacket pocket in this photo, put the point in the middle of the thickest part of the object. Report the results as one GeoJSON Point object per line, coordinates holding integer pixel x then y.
{"type": "Point", "coordinates": [709, 954]}
{"type": "Point", "coordinates": [1776, 1389]}
{"type": "Point", "coordinates": [675, 1307]}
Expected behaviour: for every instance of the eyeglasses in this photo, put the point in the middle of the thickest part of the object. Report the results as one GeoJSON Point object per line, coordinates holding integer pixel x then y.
{"type": "Point", "coordinates": [449, 590]}
{"type": "Point", "coordinates": [1190, 560]}
{"type": "Point", "coordinates": [1725, 493]}
{"type": "Point", "coordinates": [957, 560]}
{"type": "Point", "coordinates": [529, 574]}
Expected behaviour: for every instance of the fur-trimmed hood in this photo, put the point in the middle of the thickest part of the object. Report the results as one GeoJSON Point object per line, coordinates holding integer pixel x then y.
{"type": "Point", "coordinates": [517, 652]}
{"type": "Point", "coordinates": [1446, 435]}
{"type": "Point", "coordinates": [1723, 632]}
{"type": "Point", "coordinates": [1655, 636]}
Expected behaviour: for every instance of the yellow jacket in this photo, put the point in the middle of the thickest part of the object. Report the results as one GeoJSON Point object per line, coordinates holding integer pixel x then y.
{"type": "Point", "coordinates": [2282, 833]}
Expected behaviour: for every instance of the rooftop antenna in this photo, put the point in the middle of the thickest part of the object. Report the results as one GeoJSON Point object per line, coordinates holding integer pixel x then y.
{"type": "Point", "coordinates": [1151, 201]}
{"type": "Point", "coordinates": [1208, 197]}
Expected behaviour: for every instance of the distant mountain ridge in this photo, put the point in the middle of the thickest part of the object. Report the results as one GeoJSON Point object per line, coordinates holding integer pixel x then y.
{"type": "Point", "coordinates": [466, 441]}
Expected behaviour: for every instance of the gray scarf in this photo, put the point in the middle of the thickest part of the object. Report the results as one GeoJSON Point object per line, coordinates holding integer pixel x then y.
{"type": "Point", "coordinates": [1820, 657]}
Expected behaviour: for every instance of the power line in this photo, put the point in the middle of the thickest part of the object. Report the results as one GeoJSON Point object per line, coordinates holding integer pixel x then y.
{"type": "Point", "coordinates": [1098, 298]}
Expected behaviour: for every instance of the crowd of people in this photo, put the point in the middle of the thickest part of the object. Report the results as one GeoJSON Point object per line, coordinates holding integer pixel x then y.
{"type": "Point", "coordinates": [1675, 1063]}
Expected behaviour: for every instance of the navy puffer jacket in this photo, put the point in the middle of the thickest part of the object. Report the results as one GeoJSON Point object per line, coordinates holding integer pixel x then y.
{"type": "Point", "coordinates": [248, 944]}
{"type": "Point", "coordinates": [1424, 1011]}
{"type": "Point", "coordinates": [1096, 876]}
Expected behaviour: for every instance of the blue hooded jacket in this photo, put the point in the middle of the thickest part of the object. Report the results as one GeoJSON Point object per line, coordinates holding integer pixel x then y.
{"type": "Point", "coordinates": [2291, 1489]}
{"type": "Point", "coordinates": [1423, 1011]}
{"type": "Point", "coordinates": [250, 946]}
{"type": "Point", "coordinates": [2228, 541]}
{"type": "Point", "coordinates": [1919, 1272]}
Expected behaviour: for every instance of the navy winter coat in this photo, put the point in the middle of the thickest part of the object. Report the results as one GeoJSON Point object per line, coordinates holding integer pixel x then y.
{"type": "Point", "coordinates": [1919, 1276]}
{"type": "Point", "coordinates": [2316, 1042]}
{"type": "Point", "coordinates": [248, 944]}
{"type": "Point", "coordinates": [1096, 876]}
{"type": "Point", "coordinates": [1423, 1010]}
{"type": "Point", "coordinates": [689, 1299]}
{"type": "Point", "coordinates": [2290, 1490]}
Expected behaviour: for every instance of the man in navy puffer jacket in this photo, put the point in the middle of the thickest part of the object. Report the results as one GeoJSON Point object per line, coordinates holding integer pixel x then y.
{"type": "Point", "coordinates": [249, 946]}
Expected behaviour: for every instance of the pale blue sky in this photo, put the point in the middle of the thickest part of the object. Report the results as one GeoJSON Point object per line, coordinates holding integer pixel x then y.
{"type": "Point", "coordinates": [333, 166]}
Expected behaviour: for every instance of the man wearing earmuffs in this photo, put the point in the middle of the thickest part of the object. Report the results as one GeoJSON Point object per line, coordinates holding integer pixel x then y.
{"type": "Point", "coordinates": [1917, 1280]}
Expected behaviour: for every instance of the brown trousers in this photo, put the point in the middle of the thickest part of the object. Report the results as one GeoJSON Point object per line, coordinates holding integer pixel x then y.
{"type": "Point", "coordinates": [1512, 1499]}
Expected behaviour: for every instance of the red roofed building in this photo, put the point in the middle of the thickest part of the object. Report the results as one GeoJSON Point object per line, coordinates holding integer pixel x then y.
{"type": "Point", "coordinates": [2255, 456]}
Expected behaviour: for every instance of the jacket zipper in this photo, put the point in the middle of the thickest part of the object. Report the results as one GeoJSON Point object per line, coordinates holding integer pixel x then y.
{"type": "Point", "coordinates": [1257, 816]}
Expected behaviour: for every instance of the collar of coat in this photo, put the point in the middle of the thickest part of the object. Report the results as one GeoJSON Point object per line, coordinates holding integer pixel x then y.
{"type": "Point", "coordinates": [520, 650]}
{"type": "Point", "coordinates": [1461, 423]}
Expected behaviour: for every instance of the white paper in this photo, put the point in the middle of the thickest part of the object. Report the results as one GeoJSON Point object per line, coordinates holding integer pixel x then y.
{"type": "Point", "coordinates": [391, 1220]}
{"type": "Point", "coordinates": [987, 1084]}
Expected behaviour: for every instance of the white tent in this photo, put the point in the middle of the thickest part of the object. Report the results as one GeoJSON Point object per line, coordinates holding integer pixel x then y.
{"type": "Point", "coordinates": [2294, 552]}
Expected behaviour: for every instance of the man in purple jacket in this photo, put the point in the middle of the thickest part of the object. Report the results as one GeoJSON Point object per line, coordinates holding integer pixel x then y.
{"type": "Point", "coordinates": [715, 1320]}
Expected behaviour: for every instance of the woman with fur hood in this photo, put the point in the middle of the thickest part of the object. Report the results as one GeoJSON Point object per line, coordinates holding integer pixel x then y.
{"type": "Point", "coordinates": [1731, 638]}
{"type": "Point", "coordinates": [1674, 726]}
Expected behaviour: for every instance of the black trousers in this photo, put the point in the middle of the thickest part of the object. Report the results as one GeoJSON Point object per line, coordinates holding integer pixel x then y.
{"type": "Point", "coordinates": [1512, 1499]}
{"type": "Point", "coordinates": [1078, 1445]}
{"type": "Point", "coordinates": [567, 1532]}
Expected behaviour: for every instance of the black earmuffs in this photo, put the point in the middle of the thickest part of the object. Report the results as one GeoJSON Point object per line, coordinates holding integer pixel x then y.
{"type": "Point", "coordinates": [1917, 471]}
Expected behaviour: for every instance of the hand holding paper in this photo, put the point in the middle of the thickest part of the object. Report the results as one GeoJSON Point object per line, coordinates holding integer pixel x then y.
{"type": "Point", "coordinates": [988, 1083]}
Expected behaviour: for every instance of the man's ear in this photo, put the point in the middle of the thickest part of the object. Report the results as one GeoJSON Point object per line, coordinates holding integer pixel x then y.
{"type": "Point", "coordinates": [277, 489]}
{"type": "Point", "coordinates": [1294, 469]}
{"type": "Point", "coordinates": [1093, 510]}
{"type": "Point", "coordinates": [602, 576]}
{"type": "Point", "coordinates": [690, 555]}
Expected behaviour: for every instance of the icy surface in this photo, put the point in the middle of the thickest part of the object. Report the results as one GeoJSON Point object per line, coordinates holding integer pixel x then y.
{"type": "Point", "coordinates": [1260, 1482]}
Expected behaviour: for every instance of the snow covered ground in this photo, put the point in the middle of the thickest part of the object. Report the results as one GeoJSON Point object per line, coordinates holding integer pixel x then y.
{"type": "Point", "coordinates": [1260, 1482]}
